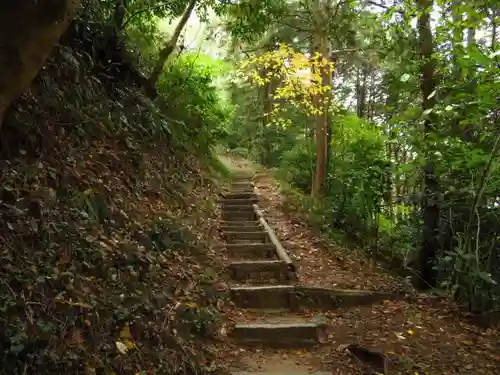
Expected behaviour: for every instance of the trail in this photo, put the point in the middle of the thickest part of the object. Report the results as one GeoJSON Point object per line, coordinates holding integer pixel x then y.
{"type": "Point", "coordinates": [319, 318]}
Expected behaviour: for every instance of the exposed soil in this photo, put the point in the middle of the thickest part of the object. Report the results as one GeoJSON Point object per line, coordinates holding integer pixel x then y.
{"type": "Point", "coordinates": [419, 335]}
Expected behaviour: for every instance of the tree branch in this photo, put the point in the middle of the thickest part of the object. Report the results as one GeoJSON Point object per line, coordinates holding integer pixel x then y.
{"type": "Point", "coordinates": [383, 6]}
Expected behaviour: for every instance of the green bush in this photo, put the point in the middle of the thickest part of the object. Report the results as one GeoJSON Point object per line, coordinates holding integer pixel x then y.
{"type": "Point", "coordinates": [188, 94]}
{"type": "Point", "coordinates": [297, 167]}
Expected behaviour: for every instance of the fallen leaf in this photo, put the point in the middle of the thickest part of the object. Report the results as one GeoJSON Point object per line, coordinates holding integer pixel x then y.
{"type": "Point", "coordinates": [130, 344]}
{"type": "Point", "coordinates": [121, 347]}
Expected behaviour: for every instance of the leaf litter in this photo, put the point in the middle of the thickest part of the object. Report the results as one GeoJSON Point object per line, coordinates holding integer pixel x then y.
{"type": "Point", "coordinates": [101, 273]}
{"type": "Point", "coordinates": [420, 335]}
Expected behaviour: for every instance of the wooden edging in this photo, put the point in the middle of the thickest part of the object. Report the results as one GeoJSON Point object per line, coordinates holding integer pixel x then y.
{"type": "Point", "coordinates": [280, 250]}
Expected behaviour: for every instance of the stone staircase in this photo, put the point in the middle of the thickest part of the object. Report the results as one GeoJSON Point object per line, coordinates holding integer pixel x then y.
{"type": "Point", "coordinates": [264, 278]}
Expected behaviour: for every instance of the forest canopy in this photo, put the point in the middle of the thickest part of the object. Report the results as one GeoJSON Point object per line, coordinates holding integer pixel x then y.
{"type": "Point", "coordinates": [380, 118]}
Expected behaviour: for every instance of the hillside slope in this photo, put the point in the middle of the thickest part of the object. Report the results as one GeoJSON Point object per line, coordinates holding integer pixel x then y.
{"type": "Point", "coordinates": [104, 216]}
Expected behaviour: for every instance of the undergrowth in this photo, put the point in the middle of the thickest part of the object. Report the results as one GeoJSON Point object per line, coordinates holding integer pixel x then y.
{"type": "Point", "coordinates": [103, 262]}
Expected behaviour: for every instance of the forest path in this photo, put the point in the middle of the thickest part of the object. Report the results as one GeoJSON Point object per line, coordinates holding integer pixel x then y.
{"type": "Point", "coordinates": [276, 324]}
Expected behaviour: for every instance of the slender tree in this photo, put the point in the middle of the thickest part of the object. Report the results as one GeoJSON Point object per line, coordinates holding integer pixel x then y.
{"type": "Point", "coordinates": [170, 45]}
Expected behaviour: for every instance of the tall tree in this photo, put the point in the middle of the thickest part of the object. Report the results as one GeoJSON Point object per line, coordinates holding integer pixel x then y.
{"type": "Point", "coordinates": [321, 11]}
{"type": "Point", "coordinates": [430, 204]}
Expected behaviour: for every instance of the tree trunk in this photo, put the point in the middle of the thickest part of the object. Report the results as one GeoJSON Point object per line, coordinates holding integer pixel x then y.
{"type": "Point", "coordinates": [267, 99]}
{"type": "Point", "coordinates": [119, 15]}
{"type": "Point", "coordinates": [430, 207]}
{"type": "Point", "coordinates": [171, 43]}
{"type": "Point", "coordinates": [392, 100]}
{"type": "Point", "coordinates": [359, 94]}
{"type": "Point", "coordinates": [267, 103]}
{"type": "Point", "coordinates": [322, 102]}
{"type": "Point", "coordinates": [29, 30]}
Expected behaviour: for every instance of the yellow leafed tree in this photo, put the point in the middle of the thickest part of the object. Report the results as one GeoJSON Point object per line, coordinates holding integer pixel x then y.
{"type": "Point", "coordinates": [304, 83]}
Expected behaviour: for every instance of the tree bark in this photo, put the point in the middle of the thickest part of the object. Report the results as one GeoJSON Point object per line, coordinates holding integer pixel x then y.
{"type": "Point", "coordinates": [119, 15]}
{"type": "Point", "coordinates": [321, 45]}
{"type": "Point", "coordinates": [29, 30]}
{"type": "Point", "coordinates": [361, 73]}
{"type": "Point", "coordinates": [171, 43]}
{"type": "Point", "coordinates": [322, 102]}
{"type": "Point", "coordinates": [430, 206]}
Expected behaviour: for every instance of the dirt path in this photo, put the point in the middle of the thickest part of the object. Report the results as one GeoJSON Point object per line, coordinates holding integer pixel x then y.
{"type": "Point", "coordinates": [419, 334]}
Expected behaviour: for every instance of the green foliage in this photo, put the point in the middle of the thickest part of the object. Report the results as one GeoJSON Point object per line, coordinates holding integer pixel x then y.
{"type": "Point", "coordinates": [358, 167]}
{"type": "Point", "coordinates": [377, 159]}
{"type": "Point", "coordinates": [187, 92]}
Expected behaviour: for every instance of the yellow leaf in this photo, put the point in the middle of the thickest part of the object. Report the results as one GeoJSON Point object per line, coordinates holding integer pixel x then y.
{"type": "Point", "coordinates": [130, 344]}
{"type": "Point", "coordinates": [410, 332]}
{"type": "Point", "coordinates": [125, 333]}
{"type": "Point", "coordinates": [191, 305]}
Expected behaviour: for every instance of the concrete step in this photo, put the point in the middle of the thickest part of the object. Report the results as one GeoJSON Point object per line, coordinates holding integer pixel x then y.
{"type": "Point", "coordinates": [257, 236]}
{"type": "Point", "coordinates": [240, 195]}
{"type": "Point", "coordinates": [296, 296]}
{"type": "Point", "coordinates": [228, 227]}
{"type": "Point", "coordinates": [259, 269]}
{"type": "Point", "coordinates": [239, 223]}
{"type": "Point", "coordinates": [281, 334]}
{"type": "Point", "coordinates": [237, 208]}
{"type": "Point", "coordinates": [242, 189]}
{"type": "Point", "coordinates": [237, 202]}
{"type": "Point", "coordinates": [242, 184]}
{"type": "Point", "coordinates": [238, 215]}
{"type": "Point", "coordinates": [280, 373]}
{"type": "Point", "coordinates": [264, 296]}
{"type": "Point", "coordinates": [251, 251]}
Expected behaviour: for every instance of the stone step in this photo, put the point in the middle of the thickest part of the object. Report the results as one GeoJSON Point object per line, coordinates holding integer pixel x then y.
{"type": "Point", "coordinates": [260, 269]}
{"type": "Point", "coordinates": [279, 373]}
{"type": "Point", "coordinates": [240, 195]}
{"type": "Point", "coordinates": [242, 185]}
{"type": "Point", "coordinates": [253, 251]}
{"type": "Point", "coordinates": [296, 296]}
{"type": "Point", "coordinates": [238, 201]}
{"type": "Point", "coordinates": [281, 334]}
{"type": "Point", "coordinates": [265, 296]}
{"type": "Point", "coordinates": [239, 223]}
{"type": "Point", "coordinates": [237, 208]}
{"type": "Point", "coordinates": [242, 180]}
{"type": "Point", "coordinates": [238, 215]}
{"type": "Point", "coordinates": [258, 236]}
{"type": "Point", "coordinates": [250, 227]}
{"type": "Point", "coordinates": [241, 189]}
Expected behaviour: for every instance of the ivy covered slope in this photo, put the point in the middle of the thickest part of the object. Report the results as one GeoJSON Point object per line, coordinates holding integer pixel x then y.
{"type": "Point", "coordinates": [104, 207]}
